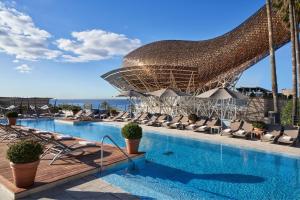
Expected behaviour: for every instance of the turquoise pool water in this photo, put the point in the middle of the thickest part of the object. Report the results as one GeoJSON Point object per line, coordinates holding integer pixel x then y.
{"type": "Point", "coordinates": [178, 168]}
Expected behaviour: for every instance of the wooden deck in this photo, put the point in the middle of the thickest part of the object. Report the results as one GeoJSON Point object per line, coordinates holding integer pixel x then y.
{"type": "Point", "coordinates": [61, 171]}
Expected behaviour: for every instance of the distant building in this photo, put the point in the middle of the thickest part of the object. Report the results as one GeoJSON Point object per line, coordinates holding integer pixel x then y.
{"type": "Point", "coordinates": [287, 92]}
{"type": "Point", "coordinates": [254, 91]}
{"type": "Point", "coordinates": [17, 101]}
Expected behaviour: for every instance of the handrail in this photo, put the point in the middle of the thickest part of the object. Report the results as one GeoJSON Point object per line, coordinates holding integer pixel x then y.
{"type": "Point", "coordinates": [102, 141]}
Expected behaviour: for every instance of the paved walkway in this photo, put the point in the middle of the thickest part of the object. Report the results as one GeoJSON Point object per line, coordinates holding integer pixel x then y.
{"type": "Point", "coordinates": [87, 188]}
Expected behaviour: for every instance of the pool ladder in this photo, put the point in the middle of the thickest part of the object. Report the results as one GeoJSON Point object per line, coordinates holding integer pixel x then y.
{"type": "Point", "coordinates": [130, 161]}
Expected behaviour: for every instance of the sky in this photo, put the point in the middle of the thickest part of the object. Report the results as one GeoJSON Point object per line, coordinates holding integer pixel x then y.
{"type": "Point", "coordinates": [59, 48]}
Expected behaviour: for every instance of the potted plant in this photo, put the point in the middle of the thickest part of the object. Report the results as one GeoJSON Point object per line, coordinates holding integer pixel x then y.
{"type": "Point", "coordinates": [12, 118]}
{"type": "Point", "coordinates": [24, 157]}
{"type": "Point", "coordinates": [259, 126]}
{"type": "Point", "coordinates": [132, 133]}
{"type": "Point", "coordinates": [193, 118]}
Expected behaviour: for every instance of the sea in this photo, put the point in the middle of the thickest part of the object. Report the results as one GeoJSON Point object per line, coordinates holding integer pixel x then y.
{"type": "Point", "coordinates": [120, 104]}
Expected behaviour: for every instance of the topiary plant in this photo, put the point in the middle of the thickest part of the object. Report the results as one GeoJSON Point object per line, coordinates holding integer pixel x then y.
{"type": "Point", "coordinates": [132, 131]}
{"type": "Point", "coordinates": [25, 151]}
{"type": "Point", "coordinates": [12, 114]}
{"type": "Point", "coordinates": [259, 125]}
{"type": "Point", "coordinates": [193, 117]}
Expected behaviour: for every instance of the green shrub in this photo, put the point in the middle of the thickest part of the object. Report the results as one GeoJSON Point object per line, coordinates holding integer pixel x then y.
{"type": "Point", "coordinates": [132, 131]}
{"type": "Point", "coordinates": [113, 111]}
{"type": "Point", "coordinates": [69, 107]}
{"type": "Point", "coordinates": [12, 115]}
{"type": "Point", "coordinates": [24, 151]}
{"type": "Point", "coordinates": [259, 124]}
{"type": "Point", "coordinates": [193, 117]}
{"type": "Point", "coordinates": [75, 110]}
{"type": "Point", "coordinates": [286, 113]}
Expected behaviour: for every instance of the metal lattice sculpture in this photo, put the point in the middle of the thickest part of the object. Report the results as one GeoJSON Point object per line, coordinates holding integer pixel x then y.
{"type": "Point", "coordinates": [196, 66]}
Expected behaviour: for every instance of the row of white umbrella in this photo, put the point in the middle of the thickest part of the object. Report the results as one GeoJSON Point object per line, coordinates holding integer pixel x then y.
{"type": "Point", "coordinates": [216, 93]}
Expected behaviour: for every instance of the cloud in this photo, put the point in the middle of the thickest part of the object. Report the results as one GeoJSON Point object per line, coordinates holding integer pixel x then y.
{"type": "Point", "coordinates": [96, 44]}
{"type": "Point", "coordinates": [24, 68]}
{"type": "Point", "coordinates": [20, 37]}
{"type": "Point", "coordinates": [16, 61]}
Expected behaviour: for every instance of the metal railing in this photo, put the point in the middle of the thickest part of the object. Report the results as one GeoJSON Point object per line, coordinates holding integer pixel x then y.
{"type": "Point", "coordinates": [102, 142]}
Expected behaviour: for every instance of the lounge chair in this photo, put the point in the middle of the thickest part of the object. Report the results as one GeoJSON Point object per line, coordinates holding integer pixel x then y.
{"type": "Point", "coordinates": [58, 148]}
{"type": "Point", "coordinates": [235, 125]}
{"type": "Point", "coordinates": [12, 134]}
{"type": "Point", "coordinates": [245, 132]}
{"type": "Point", "coordinates": [159, 121]}
{"type": "Point", "coordinates": [183, 122]}
{"type": "Point", "coordinates": [174, 122]}
{"type": "Point", "coordinates": [118, 116]}
{"type": "Point", "coordinates": [197, 124]}
{"type": "Point", "coordinates": [124, 118]}
{"type": "Point", "coordinates": [208, 125]}
{"type": "Point", "coordinates": [136, 118]}
{"type": "Point", "coordinates": [273, 131]}
{"type": "Point", "coordinates": [290, 136]}
{"type": "Point", "coordinates": [143, 118]}
{"type": "Point", "coordinates": [150, 121]}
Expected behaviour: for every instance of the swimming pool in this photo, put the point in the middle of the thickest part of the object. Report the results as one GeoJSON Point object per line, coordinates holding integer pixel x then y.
{"type": "Point", "coordinates": [178, 168]}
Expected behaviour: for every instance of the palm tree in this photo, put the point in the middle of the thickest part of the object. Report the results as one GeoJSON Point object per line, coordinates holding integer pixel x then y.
{"type": "Point", "coordinates": [287, 10]}
{"type": "Point", "coordinates": [272, 57]}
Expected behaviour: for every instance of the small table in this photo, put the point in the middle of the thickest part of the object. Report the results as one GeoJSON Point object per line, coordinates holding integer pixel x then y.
{"type": "Point", "coordinates": [213, 129]}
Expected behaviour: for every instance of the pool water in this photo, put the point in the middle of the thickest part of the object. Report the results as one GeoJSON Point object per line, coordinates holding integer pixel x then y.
{"type": "Point", "coordinates": [178, 168]}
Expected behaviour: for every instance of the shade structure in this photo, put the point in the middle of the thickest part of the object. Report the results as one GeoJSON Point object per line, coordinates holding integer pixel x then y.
{"type": "Point", "coordinates": [197, 66]}
{"type": "Point", "coordinates": [11, 107]}
{"type": "Point", "coordinates": [224, 103]}
{"type": "Point", "coordinates": [168, 92]}
{"type": "Point", "coordinates": [222, 93]}
{"type": "Point", "coordinates": [131, 93]}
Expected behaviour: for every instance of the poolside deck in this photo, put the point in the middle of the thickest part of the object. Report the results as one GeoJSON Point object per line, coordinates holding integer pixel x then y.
{"type": "Point", "coordinates": [61, 171]}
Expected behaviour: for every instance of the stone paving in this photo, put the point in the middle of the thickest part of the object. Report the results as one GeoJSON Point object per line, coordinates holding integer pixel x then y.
{"type": "Point", "coordinates": [87, 188]}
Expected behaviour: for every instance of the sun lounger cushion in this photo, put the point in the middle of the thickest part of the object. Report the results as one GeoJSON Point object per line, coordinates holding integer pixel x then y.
{"type": "Point", "coordinates": [202, 128]}
{"type": "Point", "coordinates": [64, 137]}
{"type": "Point", "coordinates": [268, 136]}
{"type": "Point", "coordinates": [41, 132]}
{"type": "Point", "coordinates": [87, 143]}
{"type": "Point", "coordinates": [240, 132]}
{"type": "Point", "coordinates": [228, 130]}
{"type": "Point", "coordinates": [286, 138]}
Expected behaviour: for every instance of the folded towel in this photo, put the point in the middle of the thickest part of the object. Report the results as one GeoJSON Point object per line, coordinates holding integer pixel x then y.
{"type": "Point", "coordinates": [64, 137]}
{"type": "Point", "coordinates": [228, 130]}
{"type": "Point", "coordinates": [268, 136]}
{"type": "Point", "coordinates": [87, 143]}
{"type": "Point", "coordinates": [286, 138]}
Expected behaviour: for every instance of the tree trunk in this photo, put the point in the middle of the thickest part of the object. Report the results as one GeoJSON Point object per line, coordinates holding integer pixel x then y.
{"type": "Point", "coordinates": [272, 58]}
{"type": "Point", "coordinates": [297, 50]}
{"type": "Point", "coordinates": [294, 67]}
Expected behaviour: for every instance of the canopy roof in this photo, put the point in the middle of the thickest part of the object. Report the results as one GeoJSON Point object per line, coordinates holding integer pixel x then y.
{"type": "Point", "coordinates": [131, 93]}
{"type": "Point", "coordinates": [196, 66]}
{"type": "Point", "coordinates": [222, 93]}
{"type": "Point", "coordinates": [168, 92]}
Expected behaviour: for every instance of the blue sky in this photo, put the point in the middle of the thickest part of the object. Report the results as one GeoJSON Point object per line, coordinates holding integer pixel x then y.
{"type": "Point", "coordinates": [61, 47]}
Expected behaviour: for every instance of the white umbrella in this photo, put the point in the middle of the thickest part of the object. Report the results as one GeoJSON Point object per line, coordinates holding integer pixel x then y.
{"type": "Point", "coordinates": [11, 107]}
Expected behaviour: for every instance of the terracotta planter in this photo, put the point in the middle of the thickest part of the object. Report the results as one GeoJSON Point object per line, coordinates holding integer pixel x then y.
{"type": "Point", "coordinates": [132, 145]}
{"type": "Point", "coordinates": [12, 121]}
{"type": "Point", "coordinates": [24, 174]}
